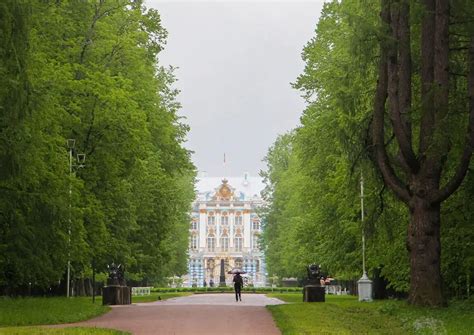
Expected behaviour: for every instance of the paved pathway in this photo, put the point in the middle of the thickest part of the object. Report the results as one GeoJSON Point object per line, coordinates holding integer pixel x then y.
{"type": "Point", "coordinates": [205, 314]}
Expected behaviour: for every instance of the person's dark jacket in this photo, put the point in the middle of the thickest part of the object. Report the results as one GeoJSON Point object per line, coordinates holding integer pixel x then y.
{"type": "Point", "coordinates": [238, 281]}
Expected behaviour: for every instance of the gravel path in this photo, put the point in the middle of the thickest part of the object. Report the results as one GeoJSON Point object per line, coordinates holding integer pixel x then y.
{"type": "Point", "coordinates": [206, 314]}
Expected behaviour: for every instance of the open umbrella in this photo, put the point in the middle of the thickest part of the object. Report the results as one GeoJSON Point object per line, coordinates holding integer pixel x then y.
{"type": "Point", "coordinates": [328, 280]}
{"type": "Point", "coordinates": [234, 271]}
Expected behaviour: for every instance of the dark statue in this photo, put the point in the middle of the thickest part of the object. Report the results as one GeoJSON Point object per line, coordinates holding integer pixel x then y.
{"type": "Point", "coordinates": [116, 292]}
{"type": "Point", "coordinates": [313, 291]}
{"type": "Point", "coordinates": [116, 275]}
{"type": "Point", "coordinates": [314, 274]}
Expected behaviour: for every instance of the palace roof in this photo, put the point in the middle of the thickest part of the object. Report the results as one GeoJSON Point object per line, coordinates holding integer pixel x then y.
{"type": "Point", "coordinates": [244, 188]}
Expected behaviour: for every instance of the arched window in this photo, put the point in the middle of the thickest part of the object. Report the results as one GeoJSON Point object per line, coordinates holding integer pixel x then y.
{"type": "Point", "coordinates": [238, 219]}
{"type": "Point", "coordinates": [224, 219]}
{"type": "Point", "coordinates": [193, 242]}
{"type": "Point", "coordinates": [238, 242]}
{"type": "Point", "coordinates": [225, 243]}
{"type": "Point", "coordinates": [211, 219]}
{"type": "Point", "coordinates": [211, 243]}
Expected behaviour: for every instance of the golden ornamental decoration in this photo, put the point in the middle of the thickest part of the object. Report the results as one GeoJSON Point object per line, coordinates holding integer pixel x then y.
{"type": "Point", "coordinates": [224, 192]}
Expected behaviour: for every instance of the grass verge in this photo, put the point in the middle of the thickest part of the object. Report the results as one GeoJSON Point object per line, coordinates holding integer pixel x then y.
{"type": "Point", "coordinates": [59, 331]}
{"type": "Point", "coordinates": [346, 315]}
{"type": "Point", "coordinates": [154, 296]}
{"type": "Point", "coordinates": [42, 311]}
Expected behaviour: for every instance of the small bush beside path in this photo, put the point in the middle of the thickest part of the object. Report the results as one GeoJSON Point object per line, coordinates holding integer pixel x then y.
{"type": "Point", "coordinates": [227, 289]}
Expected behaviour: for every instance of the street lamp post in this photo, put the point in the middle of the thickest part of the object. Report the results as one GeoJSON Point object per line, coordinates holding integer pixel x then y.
{"type": "Point", "coordinates": [364, 272]}
{"type": "Point", "coordinates": [71, 143]}
{"type": "Point", "coordinates": [364, 283]}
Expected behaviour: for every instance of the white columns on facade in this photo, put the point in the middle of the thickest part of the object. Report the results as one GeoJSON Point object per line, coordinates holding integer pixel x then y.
{"type": "Point", "coordinates": [218, 227]}
{"type": "Point", "coordinates": [247, 226]}
{"type": "Point", "coordinates": [202, 226]}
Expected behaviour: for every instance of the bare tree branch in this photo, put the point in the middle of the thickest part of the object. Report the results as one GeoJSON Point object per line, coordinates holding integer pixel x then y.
{"type": "Point", "coordinates": [427, 77]}
{"type": "Point", "coordinates": [440, 87]}
{"type": "Point", "coordinates": [405, 71]}
{"type": "Point", "coordinates": [463, 167]}
{"type": "Point", "coordinates": [383, 162]}
{"type": "Point", "coordinates": [399, 82]}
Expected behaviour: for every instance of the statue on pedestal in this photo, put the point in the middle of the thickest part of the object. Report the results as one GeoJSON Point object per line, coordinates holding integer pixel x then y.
{"type": "Point", "coordinates": [313, 291]}
{"type": "Point", "coordinates": [116, 292]}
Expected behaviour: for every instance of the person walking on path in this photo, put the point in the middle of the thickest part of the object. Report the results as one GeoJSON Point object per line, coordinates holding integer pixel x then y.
{"type": "Point", "coordinates": [238, 284]}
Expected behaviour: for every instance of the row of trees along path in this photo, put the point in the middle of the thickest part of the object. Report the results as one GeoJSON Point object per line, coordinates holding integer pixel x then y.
{"type": "Point", "coordinates": [390, 91]}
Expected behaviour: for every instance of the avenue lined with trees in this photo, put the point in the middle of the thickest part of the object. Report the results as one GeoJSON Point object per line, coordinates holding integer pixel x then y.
{"type": "Point", "coordinates": [94, 172]}
{"type": "Point", "coordinates": [88, 71]}
{"type": "Point", "coordinates": [391, 98]}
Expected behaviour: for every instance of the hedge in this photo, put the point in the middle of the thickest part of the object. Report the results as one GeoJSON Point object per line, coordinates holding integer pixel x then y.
{"type": "Point", "coordinates": [226, 289]}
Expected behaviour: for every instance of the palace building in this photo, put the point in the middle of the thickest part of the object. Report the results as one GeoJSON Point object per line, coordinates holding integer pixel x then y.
{"type": "Point", "coordinates": [226, 228]}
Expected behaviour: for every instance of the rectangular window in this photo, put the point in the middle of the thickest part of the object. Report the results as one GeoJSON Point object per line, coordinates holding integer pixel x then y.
{"type": "Point", "coordinates": [194, 242]}
{"type": "Point", "coordinates": [211, 220]}
{"type": "Point", "coordinates": [256, 225]}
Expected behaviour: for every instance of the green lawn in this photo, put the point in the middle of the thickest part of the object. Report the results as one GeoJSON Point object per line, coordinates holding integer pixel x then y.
{"type": "Point", "coordinates": [58, 331]}
{"type": "Point", "coordinates": [346, 315]}
{"type": "Point", "coordinates": [154, 296]}
{"type": "Point", "coordinates": [42, 311]}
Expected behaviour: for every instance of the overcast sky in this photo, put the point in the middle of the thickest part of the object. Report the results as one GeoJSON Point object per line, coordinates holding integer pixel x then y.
{"type": "Point", "coordinates": [236, 62]}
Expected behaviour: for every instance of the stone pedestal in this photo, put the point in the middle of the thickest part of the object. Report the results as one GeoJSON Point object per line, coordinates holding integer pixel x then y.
{"type": "Point", "coordinates": [314, 293]}
{"type": "Point", "coordinates": [365, 288]}
{"type": "Point", "coordinates": [116, 295]}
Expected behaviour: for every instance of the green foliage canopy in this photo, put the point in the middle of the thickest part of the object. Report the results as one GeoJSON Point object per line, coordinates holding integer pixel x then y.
{"type": "Point", "coordinates": [89, 71]}
{"type": "Point", "coordinates": [313, 211]}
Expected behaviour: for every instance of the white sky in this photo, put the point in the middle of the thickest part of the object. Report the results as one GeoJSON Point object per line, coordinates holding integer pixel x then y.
{"type": "Point", "coordinates": [236, 62]}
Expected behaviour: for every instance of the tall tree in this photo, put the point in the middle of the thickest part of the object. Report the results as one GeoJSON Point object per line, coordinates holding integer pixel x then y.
{"type": "Point", "coordinates": [417, 173]}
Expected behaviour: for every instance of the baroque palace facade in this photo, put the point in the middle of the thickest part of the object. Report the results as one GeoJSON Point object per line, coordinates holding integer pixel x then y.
{"type": "Point", "coordinates": [225, 226]}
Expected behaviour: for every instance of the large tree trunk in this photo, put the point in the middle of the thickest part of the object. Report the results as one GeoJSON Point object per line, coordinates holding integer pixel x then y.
{"type": "Point", "coordinates": [418, 185]}
{"type": "Point", "coordinates": [424, 247]}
